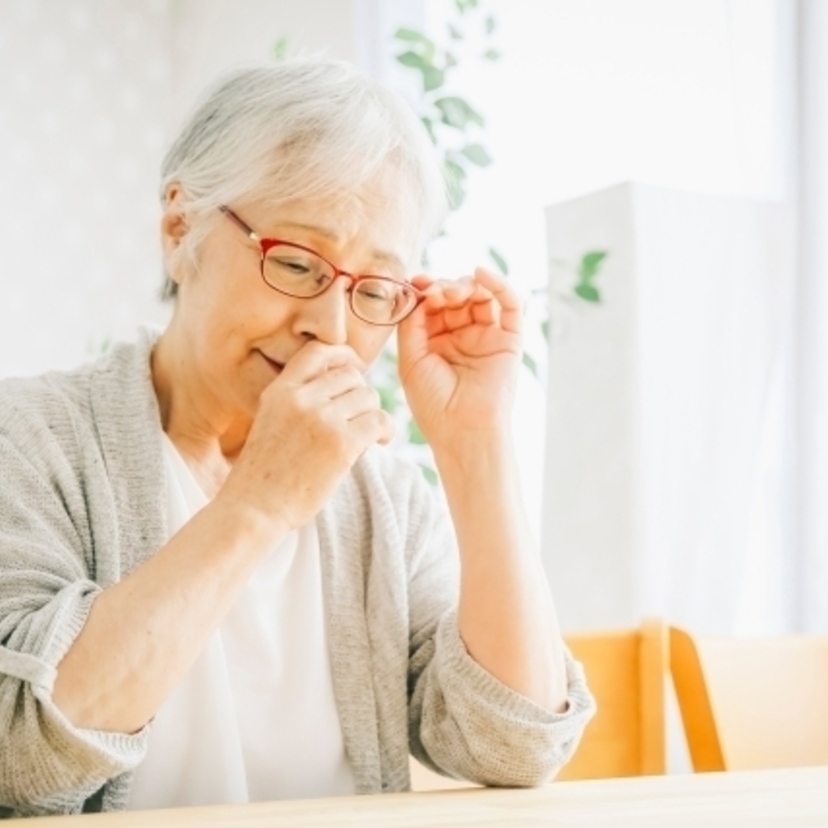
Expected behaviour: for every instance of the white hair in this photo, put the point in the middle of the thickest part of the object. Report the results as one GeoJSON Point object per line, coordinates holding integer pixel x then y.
{"type": "Point", "coordinates": [301, 128]}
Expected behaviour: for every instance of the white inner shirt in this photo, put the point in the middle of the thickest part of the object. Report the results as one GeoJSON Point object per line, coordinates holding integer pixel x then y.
{"type": "Point", "coordinates": [255, 717]}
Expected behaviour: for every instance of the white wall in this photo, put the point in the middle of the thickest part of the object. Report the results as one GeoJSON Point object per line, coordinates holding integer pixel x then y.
{"type": "Point", "coordinates": [81, 137]}
{"type": "Point", "coordinates": [210, 36]}
{"type": "Point", "coordinates": [662, 449]}
{"type": "Point", "coordinates": [91, 92]}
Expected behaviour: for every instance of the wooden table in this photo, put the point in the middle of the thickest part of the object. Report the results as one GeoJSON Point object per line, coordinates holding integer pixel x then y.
{"type": "Point", "coordinates": [779, 798]}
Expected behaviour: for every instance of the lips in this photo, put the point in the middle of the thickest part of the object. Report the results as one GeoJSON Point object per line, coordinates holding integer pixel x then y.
{"type": "Point", "coordinates": [276, 366]}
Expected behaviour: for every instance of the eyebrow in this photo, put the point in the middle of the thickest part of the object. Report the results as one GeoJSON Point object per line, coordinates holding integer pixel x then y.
{"type": "Point", "coordinates": [379, 255]}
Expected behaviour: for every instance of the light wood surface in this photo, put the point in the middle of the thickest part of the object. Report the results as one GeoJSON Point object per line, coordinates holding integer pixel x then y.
{"type": "Point", "coordinates": [750, 703]}
{"type": "Point", "coordinates": [626, 671]}
{"type": "Point", "coordinates": [791, 798]}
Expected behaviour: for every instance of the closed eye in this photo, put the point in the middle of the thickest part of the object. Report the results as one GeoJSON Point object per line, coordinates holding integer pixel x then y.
{"type": "Point", "coordinates": [293, 267]}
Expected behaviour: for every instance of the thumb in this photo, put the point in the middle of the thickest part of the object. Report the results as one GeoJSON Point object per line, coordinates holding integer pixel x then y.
{"type": "Point", "coordinates": [412, 339]}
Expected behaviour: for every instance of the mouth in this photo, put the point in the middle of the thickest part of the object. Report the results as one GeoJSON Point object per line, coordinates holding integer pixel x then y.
{"type": "Point", "coordinates": [278, 367]}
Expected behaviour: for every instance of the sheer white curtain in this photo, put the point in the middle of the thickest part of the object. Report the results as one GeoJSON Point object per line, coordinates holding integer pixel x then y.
{"type": "Point", "coordinates": [807, 51]}
{"type": "Point", "coordinates": [692, 95]}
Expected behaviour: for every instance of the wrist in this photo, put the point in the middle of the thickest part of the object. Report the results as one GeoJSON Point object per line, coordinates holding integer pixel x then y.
{"type": "Point", "coordinates": [476, 456]}
{"type": "Point", "coordinates": [239, 515]}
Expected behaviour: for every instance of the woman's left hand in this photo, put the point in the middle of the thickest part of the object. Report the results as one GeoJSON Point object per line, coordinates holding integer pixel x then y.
{"type": "Point", "coordinates": [459, 356]}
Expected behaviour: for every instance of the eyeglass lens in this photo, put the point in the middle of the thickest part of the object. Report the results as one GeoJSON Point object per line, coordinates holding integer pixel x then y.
{"type": "Point", "coordinates": [300, 273]}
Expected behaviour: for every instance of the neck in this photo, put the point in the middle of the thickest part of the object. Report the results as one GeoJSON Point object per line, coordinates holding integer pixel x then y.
{"type": "Point", "coordinates": [207, 435]}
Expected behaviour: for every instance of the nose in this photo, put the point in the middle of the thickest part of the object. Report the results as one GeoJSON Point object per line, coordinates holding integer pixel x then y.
{"type": "Point", "coordinates": [325, 317]}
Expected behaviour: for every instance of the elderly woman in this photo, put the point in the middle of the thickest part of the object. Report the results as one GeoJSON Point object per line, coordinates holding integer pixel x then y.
{"type": "Point", "coordinates": [216, 584]}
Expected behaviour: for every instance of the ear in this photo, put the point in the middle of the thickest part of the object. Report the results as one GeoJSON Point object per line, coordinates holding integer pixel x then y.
{"type": "Point", "coordinates": [174, 228]}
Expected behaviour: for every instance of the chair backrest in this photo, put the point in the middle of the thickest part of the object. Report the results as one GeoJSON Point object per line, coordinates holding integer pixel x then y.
{"type": "Point", "coordinates": [626, 671]}
{"type": "Point", "coordinates": [752, 702]}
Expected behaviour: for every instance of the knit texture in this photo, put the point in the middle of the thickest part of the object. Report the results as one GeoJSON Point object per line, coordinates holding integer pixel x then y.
{"type": "Point", "coordinates": [82, 504]}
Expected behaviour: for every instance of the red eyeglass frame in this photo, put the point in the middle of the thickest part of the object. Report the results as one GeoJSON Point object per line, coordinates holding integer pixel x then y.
{"type": "Point", "coordinates": [266, 244]}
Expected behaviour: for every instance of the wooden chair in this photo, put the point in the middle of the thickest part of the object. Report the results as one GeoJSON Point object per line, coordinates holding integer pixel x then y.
{"type": "Point", "coordinates": [626, 671]}
{"type": "Point", "coordinates": [752, 702]}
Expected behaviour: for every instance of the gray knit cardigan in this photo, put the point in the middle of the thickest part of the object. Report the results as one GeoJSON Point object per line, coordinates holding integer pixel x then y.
{"type": "Point", "coordinates": [83, 503]}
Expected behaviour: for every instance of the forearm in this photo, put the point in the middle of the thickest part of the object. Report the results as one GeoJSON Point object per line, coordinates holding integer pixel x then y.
{"type": "Point", "coordinates": [506, 615]}
{"type": "Point", "coordinates": [143, 634]}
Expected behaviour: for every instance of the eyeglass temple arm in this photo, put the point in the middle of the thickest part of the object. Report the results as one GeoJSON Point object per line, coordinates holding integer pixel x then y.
{"type": "Point", "coordinates": [239, 223]}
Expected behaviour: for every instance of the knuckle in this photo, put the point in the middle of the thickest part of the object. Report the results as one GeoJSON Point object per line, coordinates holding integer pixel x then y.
{"type": "Point", "coordinates": [353, 372]}
{"type": "Point", "coordinates": [372, 396]}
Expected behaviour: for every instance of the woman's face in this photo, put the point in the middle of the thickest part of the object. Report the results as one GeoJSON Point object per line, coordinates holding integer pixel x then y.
{"type": "Point", "coordinates": [237, 332]}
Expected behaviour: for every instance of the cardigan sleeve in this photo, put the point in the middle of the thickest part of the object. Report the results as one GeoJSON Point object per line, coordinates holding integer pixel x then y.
{"type": "Point", "coordinates": [47, 765]}
{"type": "Point", "coordinates": [464, 722]}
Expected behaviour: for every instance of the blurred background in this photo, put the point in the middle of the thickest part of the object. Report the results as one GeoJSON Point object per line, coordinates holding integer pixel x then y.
{"type": "Point", "coordinates": [653, 175]}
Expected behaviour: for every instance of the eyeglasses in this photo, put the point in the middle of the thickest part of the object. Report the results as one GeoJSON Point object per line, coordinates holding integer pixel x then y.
{"type": "Point", "coordinates": [300, 272]}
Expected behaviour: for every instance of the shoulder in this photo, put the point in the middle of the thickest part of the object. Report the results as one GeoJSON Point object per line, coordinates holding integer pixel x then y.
{"type": "Point", "coordinates": [38, 411]}
{"type": "Point", "coordinates": [56, 411]}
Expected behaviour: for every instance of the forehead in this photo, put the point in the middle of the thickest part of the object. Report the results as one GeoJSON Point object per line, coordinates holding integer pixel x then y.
{"type": "Point", "coordinates": [379, 220]}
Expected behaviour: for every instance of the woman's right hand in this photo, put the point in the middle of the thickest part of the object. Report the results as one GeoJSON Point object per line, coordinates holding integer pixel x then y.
{"type": "Point", "coordinates": [314, 422]}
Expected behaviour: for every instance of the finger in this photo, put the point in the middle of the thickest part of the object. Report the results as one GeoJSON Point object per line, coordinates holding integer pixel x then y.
{"type": "Point", "coordinates": [455, 318]}
{"type": "Point", "coordinates": [444, 293]}
{"type": "Point", "coordinates": [315, 357]}
{"type": "Point", "coordinates": [356, 402]}
{"type": "Point", "coordinates": [421, 281]}
{"type": "Point", "coordinates": [373, 427]}
{"type": "Point", "coordinates": [436, 323]}
{"type": "Point", "coordinates": [333, 383]}
{"type": "Point", "coordinates": [486, 313]}
{"type": "Point", "coordinates": [456, 295]}
{"type": "Point", "coordinates": [413, 334]}
{"type": "Point", "coordinates": [468, 312]}
{"type": "Point", "coordinates": [510, 309]}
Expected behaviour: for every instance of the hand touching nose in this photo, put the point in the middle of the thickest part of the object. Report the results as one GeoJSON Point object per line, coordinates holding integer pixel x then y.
{"type": "Point", "coordinates": [314, 422]}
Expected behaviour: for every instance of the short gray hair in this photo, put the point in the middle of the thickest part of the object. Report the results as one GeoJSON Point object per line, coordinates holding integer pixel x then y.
{"type": "Point", "coordinates": [301, 128]}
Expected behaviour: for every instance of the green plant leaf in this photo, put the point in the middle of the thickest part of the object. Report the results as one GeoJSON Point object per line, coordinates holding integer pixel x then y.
{"type": "Point", "coordinates": [280, 48]}
{"type": "Point", "coordinates": [454, 32]}
{"type": "Point", "coordinates": [591, 264]}
{"type": "Point", "coordinates": [456, 183]}
{"type": "Point", "coordinates": [388, 398]}
{"type": "Point", "coordinates": [530, 364]}
{"type": "Point", "coordinates": [588, 293]}
{"type": "Point", "coordinates": [429, 474]}
{"type": "Point", "coordinates": [413, 36]}
{"type": "Point", "coordinates": [415, 436]}
{"type": "Point", "coordinates": [451, 60]}
{"type": "Point", "coordinates": [433, 78]}
{"type": "Point", "coordinates": [477, 154]}
{"type": "Point", "coordinates": [457, 112]}
{"type": "Point", "coordinates": [414, 60]}
{"type": "Point", "coordinates": [498, 259]}
{"type": "Point", "coordinates": [429, 125]}
{"type": "Point", "coordinates": [492, 54]}
{"type": "Point", "coordinates": [456, 195]}
{"type": "Point", "coordinates": [491, 24]}
{"type": "Point", "coordinates": [454, 166]}
{"type": "Point", "coordinates": [452, 112]}
{"type": "Point", "coordinates": [545, 329]}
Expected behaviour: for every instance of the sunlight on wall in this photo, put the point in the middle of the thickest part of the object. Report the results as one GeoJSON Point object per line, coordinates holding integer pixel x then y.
{"type": "Point", "coordinates": [81, 137]}
{"type": "Point", "coordinates": [592, 93]}
{"type": "Point", "coordinates": [597, 92]}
